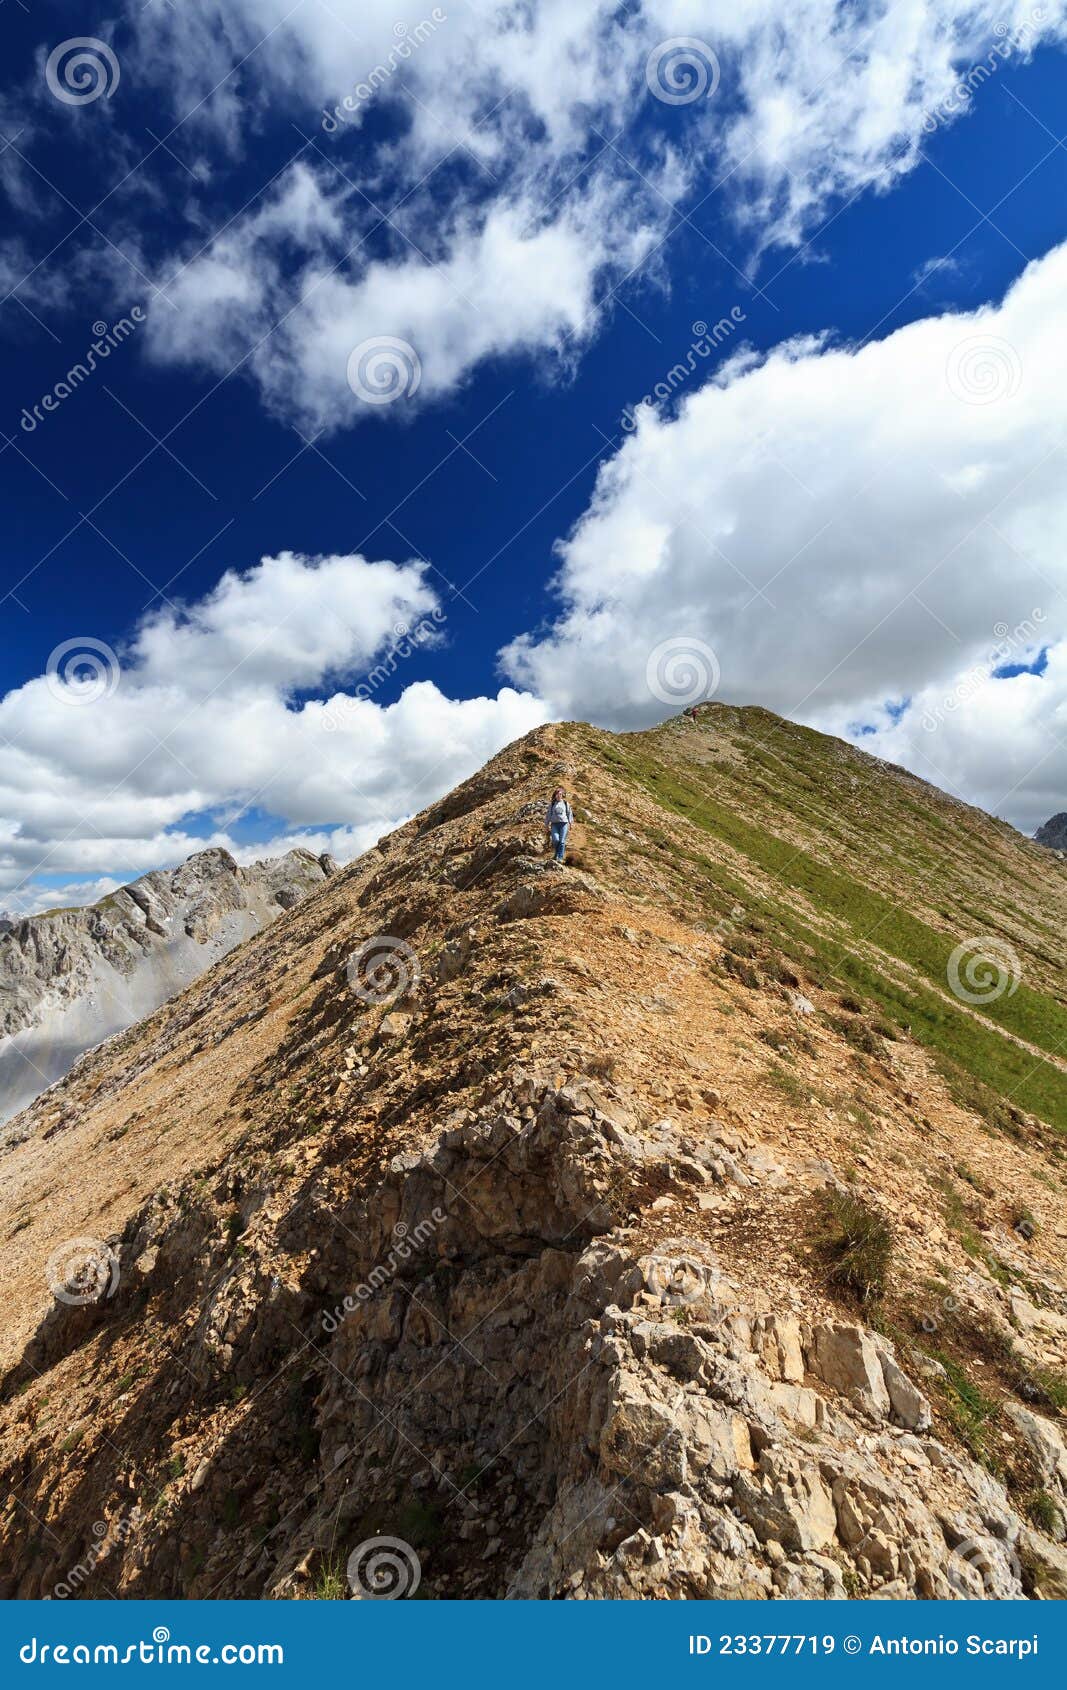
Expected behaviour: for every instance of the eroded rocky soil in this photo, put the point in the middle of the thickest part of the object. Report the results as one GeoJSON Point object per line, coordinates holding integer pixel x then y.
{"type": "Point", "coordinates": [507, 1239]}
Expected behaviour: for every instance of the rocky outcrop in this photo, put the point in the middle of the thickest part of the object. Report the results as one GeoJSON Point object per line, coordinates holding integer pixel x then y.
{"type": "Point", "coordinates": [1054, 832]}
{"type": "Point", "coordinates": [582, 1231]}
{"type": "Point", "coordinates": [595, 1412]}
{"type": "Point", "coordinates": [72, 977]}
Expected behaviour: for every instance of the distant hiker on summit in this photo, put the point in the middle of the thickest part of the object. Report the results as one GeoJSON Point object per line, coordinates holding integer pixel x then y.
{"type": "Point", "coordinates": [557, 821]}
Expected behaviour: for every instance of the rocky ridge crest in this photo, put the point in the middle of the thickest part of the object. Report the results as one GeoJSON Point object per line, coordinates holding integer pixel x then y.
{"type": "Point", "coordinates": [518, 1255]}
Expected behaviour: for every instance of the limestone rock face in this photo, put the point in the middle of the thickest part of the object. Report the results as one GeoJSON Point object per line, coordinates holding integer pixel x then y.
{"type": "Point", "coordinates": [1053, 833]}
{"type": "Point", "coordinates": [646, 1457]}
{"type": "Point", "coordinates": [1049, 1449]}
{"type": "Point", "coordinates": [495, 1208]}
{"type": "Point", "coordinates": [72, 977]}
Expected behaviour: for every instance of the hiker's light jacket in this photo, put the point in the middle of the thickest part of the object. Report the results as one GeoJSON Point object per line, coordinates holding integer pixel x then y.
{"type": "Point", "coordinates": [565, 820]}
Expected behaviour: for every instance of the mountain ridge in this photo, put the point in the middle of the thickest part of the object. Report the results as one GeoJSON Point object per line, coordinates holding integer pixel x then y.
{"type": "Point", "coordinates": [664, 1225]}
{"type": "Point", "coordinates": [71, 977]}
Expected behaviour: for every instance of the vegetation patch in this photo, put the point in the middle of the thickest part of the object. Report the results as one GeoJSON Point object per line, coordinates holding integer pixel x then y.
{"type": "Point", "coordinates": [857, 1244]}
{"type": "Point", "coordinates": [981, 1066]}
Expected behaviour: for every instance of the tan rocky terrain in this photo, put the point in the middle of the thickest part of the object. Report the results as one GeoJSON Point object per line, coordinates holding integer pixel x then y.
{"type": "Point", "coordinates": [685, 1222]}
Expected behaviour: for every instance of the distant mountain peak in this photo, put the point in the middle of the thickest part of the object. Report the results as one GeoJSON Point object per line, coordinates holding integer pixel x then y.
{"type": "Point", "coordinates": [72, 977]}
{"type": "Point", "coordinates": [1054, 832]}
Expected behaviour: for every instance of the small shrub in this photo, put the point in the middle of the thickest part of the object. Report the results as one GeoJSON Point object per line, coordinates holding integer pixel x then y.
{"type": "Point", "coordinates": [858, 1034]}
{"type": "Point", "coordinates": [419, 1523]}
{"type": "Point", "coordinates": [858, 1243]}
{"type": "Point", "coordinates": [742, 970]}
{"type": "Point", "coordinates": [330, 1583]}
{"type": "Point", "coordinates": [973, 1179]}
{"type": "Point", "coordinates": [1042, 1385]}
{"type": "Point", "coordinates": [777, 1041]}
{"type": "Point", "coordinates": [969, 1410]}
{"type": "Point", "coordinates": [1043, 1511]}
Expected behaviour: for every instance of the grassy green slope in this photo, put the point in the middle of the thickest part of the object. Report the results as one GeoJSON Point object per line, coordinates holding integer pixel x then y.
{"type": "Point", "coordinates": [875, 878]}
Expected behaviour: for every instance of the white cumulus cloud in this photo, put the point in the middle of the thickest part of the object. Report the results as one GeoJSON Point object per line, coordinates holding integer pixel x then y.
{"type": "Point", "coordinates": [842, 527]}
{"type": "Point", "coordinates": [203, 714]}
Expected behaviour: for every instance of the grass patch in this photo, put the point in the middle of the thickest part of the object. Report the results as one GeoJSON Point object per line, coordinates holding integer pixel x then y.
{"type": "Point", "coordinates": [330, 1583]}
{"type": "Point", "coordinates": [1044, 1511]}
{"type": "Point", "coordinates": [981, 1067]}
{"type": "Point", "coordinates": [857, 1243]}
{"type": "Point", "coordinates": [969, 1410]}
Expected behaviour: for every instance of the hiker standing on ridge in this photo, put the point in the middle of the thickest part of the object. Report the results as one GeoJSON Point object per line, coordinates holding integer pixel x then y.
{"type": "Point", "coordinates": [557, 821]}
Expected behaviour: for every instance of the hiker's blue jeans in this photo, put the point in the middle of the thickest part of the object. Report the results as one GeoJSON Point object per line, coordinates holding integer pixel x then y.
{"type": "Point", "coordinates": [558, 835]}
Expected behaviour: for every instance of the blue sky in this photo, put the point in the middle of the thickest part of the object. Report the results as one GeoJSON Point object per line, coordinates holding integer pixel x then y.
{"type": "Point", "coordinates": [541, 233]}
